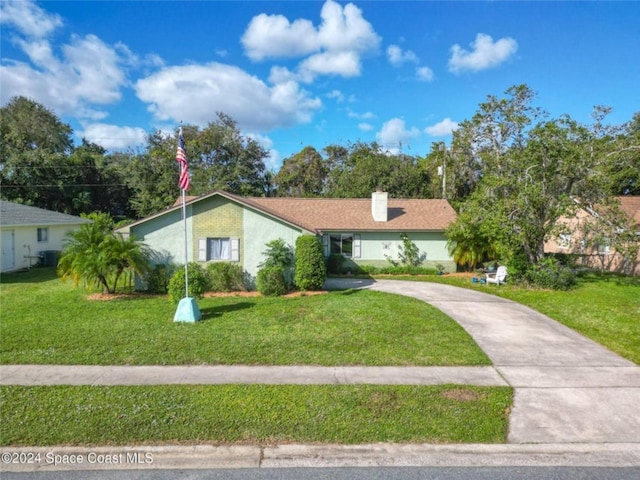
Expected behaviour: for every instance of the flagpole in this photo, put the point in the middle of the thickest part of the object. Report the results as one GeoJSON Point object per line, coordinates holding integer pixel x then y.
{"type": "Point", "coordinates": [188, 310]}
{"type": "Point", "coordinates": [186, 243]}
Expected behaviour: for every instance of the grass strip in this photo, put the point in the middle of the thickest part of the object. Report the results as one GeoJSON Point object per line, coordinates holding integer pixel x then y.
{"type": "Point", "coordinates": [252, 414]}
{"type": "Point", "coordinates": [44, 321]}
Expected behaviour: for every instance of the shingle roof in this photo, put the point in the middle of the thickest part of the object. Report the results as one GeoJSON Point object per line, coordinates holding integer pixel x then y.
{"type": "Point", "coordinates": [15, 214]}
{"type": "Point", "coordinates": [332, 214]}
{"type": "Point", "coordinates": [327, 214]}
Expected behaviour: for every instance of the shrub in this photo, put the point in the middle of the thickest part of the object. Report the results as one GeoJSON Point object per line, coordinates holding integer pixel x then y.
{"type": "Point", "coordinates": [226, 277]}
{"type": "Point", "coordinates": [279, 254]}
{"type": "Point", "coordinates": [335, 263]}
{"type": "Point", "coordinates": [198, 282]}
{"type": "Point", "coordinates": [550, 273]}
{"type": "Point", "coordinates": [547, 273]}
{"type": "Point", "coordinates": [311, 271]}
{"type": "Point", "coordinates": [157, 279]}
{"type": "Point", "coordinates": [271, 281]}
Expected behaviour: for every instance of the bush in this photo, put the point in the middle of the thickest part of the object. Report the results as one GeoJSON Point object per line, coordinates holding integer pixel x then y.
{"type": "Point", "coordinates": [335, 264]}
{"type": "Point", "coordinates": [198, 282]}
{"type": "Point", "coordinates": [279, 254]}
{"type": "Point", "coordinates": [157, 279]}
{"type": "Point", "coordinates": [547, 273]}
{"type": "Point", "coordinates": [226, 277]}
{"type": "Point", "coordinates": [398, 270]}
{"type": "Point", "coordinates": [311, 271]}
{"type": "Point", "coordinates": [271, 282]}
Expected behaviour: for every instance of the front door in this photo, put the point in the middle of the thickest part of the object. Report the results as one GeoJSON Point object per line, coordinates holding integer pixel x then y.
{"type": "Point", "coordinates": [8, 252]}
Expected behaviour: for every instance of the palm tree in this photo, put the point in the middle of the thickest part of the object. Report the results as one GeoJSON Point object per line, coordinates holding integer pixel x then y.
{"type": "Point", "coordinates": [93, 253]}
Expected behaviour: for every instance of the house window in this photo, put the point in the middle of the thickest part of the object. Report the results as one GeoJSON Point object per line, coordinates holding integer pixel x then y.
{"type": "Point", "coordinates": [346, 244]}
{"type": "Point", "coordinates": [43, 235]}
{"type": "Point", "coordinates": [604, 248]}
{"type": "Point", "coordinates": [219, 249]}
{"type": "Point", "coordinates": [342, 244]}
{"type": "Point", "coordinates": [564, 240]}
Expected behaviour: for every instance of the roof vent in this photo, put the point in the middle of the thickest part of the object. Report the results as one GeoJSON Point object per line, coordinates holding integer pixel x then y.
{"type": "Point", "coordinates": [379, 204]}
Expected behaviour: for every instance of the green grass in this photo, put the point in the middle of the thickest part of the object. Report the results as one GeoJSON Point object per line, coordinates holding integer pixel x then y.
{"type": "Point", "coordinates": [44, 321]}
{"type": "Point", "coordinates": [603, 307]}
{"type": "Point", "coordinates": [252, 414]}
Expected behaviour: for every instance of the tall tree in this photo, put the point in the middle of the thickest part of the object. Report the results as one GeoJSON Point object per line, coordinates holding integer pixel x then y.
{"type": "Point", "coordinates": [225, 159]}
{"type": "Point", "coordinates": [533, 171]}
{"type": "Point", "coordinates": [33, 157]}
{"type": "Point", "coordinates": [302, 175]}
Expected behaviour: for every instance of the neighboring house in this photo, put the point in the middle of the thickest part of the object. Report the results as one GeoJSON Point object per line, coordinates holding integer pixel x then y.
{"type": "Point", "coordinates": [30, 234]}
{"type": "Point", "coordinates": [599, 251]}
{"type": "Point", "coordinates": [226, 227]}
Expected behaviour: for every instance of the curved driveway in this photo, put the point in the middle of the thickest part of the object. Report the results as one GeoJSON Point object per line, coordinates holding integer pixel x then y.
{"type": "Point", "coordinates": [567, 387]}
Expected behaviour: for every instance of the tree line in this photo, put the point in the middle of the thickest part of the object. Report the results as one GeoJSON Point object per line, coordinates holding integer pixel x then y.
{"type": "Point", "coordinates": [510, 171]}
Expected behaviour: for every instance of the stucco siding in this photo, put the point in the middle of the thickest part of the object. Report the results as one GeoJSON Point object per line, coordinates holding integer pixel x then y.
{"type": "Point", "coordinates": [165, 236]}
{"type": "Point", "coordinates": [259, 229]}
{"type": "Point", "coordinates": [377, 246]}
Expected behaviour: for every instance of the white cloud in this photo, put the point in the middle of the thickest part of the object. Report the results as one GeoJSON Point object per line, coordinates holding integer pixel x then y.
{"type": "Point", "coordinates": [346, 64]}
{"type": "Point", "coordinates": [337, 94]}
{"type": "Point", "coordinates": [365, 127]}
{"type": "Point", "coordinates": [89, 72]}
{"type": "Point", "coordinates": [394, 133]}
{"type": "Point", "coordinates": [360, 116]}
{"type": "Point", "coordinates": [113, 137]}
{"type": "Point", "coordinates": [273, 36]}
{"type": "Point", "coordinates": [194, 93]}
{"type": "Point", "coordinates": [424, 74]}
{"type": "Point", "coordinates": [442, 129]}
{"type": "Point", "coordinates": [397, 57]}
{"type": "Point", "coordinates": [335, 47]}
{"type": "Point", "coordinates": [485, 54]}
{"type": "Point", "coordinates": [28, 18]}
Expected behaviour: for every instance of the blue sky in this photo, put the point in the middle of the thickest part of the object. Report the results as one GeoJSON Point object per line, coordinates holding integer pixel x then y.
{"type": "Point", "coordinates": [298, 73]}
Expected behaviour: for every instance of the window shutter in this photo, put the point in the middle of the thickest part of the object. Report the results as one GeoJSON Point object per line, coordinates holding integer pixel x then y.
{"type": "Point", "coordinates": [326, 245]}
{"type": "Point", "coordinates": [356, 246]}
{"type": "Point", "coordinates": [202, 250]}
{"type": "Point", "coordinates": [235, 249]}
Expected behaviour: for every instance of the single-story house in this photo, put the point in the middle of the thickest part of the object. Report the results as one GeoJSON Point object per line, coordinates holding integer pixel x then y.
{"type": "Point", "coordinates": [29, 235]}
{"type": "Point", "coordinates": [599, 252]}
{"type": "Point", "coordinates": [226, 227]}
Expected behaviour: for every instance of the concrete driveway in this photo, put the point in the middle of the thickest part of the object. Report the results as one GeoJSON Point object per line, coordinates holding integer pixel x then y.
{"type": "Point", "coordinates": [568, 389]}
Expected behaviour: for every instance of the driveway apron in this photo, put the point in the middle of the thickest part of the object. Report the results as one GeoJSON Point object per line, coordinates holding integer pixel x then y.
{"type": "Point", "coordinates": [568, 389]}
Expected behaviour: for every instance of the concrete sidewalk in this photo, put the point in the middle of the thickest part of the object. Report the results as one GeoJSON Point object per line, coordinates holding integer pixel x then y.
{"type": "Point", "coordinates": [242, 374]}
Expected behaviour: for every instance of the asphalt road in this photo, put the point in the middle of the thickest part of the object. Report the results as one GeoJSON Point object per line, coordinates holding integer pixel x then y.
{"type": "Point", "coordinates": [369, 473]}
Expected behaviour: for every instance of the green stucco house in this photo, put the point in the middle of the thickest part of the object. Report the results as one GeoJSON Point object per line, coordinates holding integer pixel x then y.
{"type": "Point", "coordinates": [226, 227]}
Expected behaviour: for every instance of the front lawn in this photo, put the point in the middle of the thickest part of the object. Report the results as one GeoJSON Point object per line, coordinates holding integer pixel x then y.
{"type": "Point", "coordinates": [252, 414]}
{"type": "Point", "coordinates": [45, 321]}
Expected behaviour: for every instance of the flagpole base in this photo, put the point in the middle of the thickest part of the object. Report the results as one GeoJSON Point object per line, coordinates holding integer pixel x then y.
{"type": "Point", "coordinates": [187, 311]}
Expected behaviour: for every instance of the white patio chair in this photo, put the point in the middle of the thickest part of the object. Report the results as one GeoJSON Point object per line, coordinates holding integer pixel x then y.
{"type": "Point", "coordinates": [498, 277]}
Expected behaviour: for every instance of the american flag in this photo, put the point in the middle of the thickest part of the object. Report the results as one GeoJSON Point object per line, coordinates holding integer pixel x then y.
{"type": "Point", "coordinates": [181, 158]}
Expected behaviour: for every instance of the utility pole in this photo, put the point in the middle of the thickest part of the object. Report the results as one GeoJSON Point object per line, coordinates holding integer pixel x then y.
{"type": "Point", "coordinates": [442, 169]}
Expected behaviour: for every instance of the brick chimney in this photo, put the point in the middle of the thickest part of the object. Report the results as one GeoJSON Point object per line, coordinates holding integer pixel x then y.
{"type": "Point", "coordinates": [379, 203]}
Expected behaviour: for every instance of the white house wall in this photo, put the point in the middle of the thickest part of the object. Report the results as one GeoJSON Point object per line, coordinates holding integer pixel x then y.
{"type": "Point", "coordinates": [26, 246]}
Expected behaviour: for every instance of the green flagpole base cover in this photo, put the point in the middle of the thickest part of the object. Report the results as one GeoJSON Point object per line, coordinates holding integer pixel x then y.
{"type": "Point", "coordinates": [187, 311]}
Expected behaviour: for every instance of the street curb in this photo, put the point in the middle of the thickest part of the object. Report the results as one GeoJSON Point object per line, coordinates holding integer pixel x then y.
{"type": "Point", "coordinates": [33, 459]}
